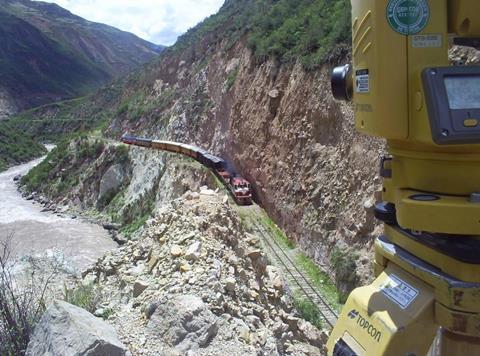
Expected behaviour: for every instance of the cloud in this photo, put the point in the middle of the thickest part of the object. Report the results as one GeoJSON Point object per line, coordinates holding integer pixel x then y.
{"type": "Point", "coordinates": [158, 21]}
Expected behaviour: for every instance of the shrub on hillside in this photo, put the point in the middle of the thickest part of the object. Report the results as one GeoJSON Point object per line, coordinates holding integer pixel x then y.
{"type": "Point", "coordinates": [312, 31]}
{"type": "Point", "coordinates": [16, 147]}
{"type": "Point", "coordinates": [22, 300]}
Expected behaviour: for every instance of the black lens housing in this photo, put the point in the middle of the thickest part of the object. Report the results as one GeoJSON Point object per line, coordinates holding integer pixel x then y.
{"type": "Point", "coordinates": [342, 83]}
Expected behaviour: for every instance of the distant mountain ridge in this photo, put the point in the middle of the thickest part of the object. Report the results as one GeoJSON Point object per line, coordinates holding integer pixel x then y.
{"type": "Point", "coordinates": [50, 54]}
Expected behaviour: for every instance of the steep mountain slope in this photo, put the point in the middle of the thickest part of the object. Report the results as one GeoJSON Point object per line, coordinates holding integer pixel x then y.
{"type": "Point", "coordinates": [15, 148]}
{"type": "Point", "coordinates": [252, 84]}
{"type": "Point", "coordinates": [49, 54]}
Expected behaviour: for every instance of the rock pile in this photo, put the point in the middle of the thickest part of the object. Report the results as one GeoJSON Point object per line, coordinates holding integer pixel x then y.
{"type": "Point", "coordinates": [197, 284]}
{"type": "Point", "coordinates": [69, 330]}
{"type": "Point", "coordinates": [460, 55]}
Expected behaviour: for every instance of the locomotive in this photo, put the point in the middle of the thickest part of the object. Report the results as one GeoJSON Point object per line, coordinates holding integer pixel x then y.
{"type": "Point", "coordinates": [239, 187]}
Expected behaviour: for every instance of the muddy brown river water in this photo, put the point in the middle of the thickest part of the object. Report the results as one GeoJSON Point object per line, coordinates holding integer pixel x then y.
{"type": "Point", "coordinates": [34, 232]}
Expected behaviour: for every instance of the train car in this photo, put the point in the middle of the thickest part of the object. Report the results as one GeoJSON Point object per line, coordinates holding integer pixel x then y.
{"type": "Point", "coordinates": [224, 176]}
{"type": "Point", "coordinates": [241, 190]}
{"type": "Point", "coordinates": [188, 150]}
{"type": "Point", "coordinates": [172, 147]}
{"type": "Point", "coordinates": [137, 141]}
{"type": "Point", "coordinates": [129, 140]}
{"type": "Point", "coordinates": [218, 163]}
{"type": "Point", "coordinates": [201, 157]}
{"type": "Point", "coordinates": [194, 152]}
{"type": "Point", "coordinates": [238, 186]}
{"type": "Point", "coordinates": [159, 145]}
{"type": "Point", "coordinates": [208, 161]}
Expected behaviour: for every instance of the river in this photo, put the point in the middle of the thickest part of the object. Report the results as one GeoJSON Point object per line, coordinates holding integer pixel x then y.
{"type": "Point", "coordinates": [33, 232]}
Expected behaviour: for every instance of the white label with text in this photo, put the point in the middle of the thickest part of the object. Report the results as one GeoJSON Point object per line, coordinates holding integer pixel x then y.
{"type": "Point", "coordinates": [398, 291]}
{"type": "Point", "coordinates": [427, 41]}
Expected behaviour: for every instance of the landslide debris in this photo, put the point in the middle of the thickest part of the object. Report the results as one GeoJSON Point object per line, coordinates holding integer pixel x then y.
{"type": "Point", "coordinates": [69, 330]}
{"type": "Point", "coordinates": [197, 283]}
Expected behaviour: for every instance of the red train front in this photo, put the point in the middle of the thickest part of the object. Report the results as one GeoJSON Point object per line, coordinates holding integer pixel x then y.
{"type": "Point", "coordinates": [241, 190]}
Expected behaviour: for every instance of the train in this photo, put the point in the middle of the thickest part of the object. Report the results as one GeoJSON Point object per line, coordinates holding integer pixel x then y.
{"type": "Point", "coordinates": [238, 186]}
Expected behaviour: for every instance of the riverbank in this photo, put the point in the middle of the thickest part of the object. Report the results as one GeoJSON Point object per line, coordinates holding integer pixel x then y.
{"type": "Point", "coordinates": [32, 231]}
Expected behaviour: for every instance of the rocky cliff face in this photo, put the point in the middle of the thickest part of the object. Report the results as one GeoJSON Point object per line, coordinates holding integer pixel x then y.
{"type": "Point", "coordinates": [278, 125]}
{"type": "Point", "coordinates": [7, 105]}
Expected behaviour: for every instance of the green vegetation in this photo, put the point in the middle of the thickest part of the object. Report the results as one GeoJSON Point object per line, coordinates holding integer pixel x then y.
{"type": "Point", "coordinates": [115, 205]}
{"type": "Point", "coordinates": [232, 77]}
{"type": "Point", "coordinates": [343, 262]}
{"type": "Point", "coordinates": [320, 279]}
{"type": "Point", "coordinates": [136, 224]}
{"type": "Point", "coordinates": [312, 31]}
{"type": "Point", "coordinates": [40, 173]}
{"type": "Point", "coordinates": [308, 311]}
{"type": "Point", "coordinates": [134, 215]}
{"type": "Point", "coordinates": [54, 122]}
{"type": "Point", "coordinates": [122, 153]}
{"type": "Point", "coordinates": [83, 296]}
{"type": "Point", "coordinates": [53, 180]}
{"type": "Point", "coordinates": [16, 147]}
{"type": "Point", "coordinates": [23, 297]}
{"type": "Point", "coordinates": [64, 57]}
{"type": "Point", "coordinates": [279, 235]}
{"type": "Point", "coordinates": [36, 68]}
{"type": "Point", "coordinates": [202, 65]}
{"type": "Point", "coordinates": [140, 105]}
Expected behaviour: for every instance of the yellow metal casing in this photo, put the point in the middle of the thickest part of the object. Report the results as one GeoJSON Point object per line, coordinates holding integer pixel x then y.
{"type": "Point", "coordinates": [373, 324]}
{"type": "Point", "coordinates": [379, 72]}
{"type": "Point", "coordinates": [388, 95]}
{"type": "Point", "coordinates": [389, 101]}
{"type": "Point", "coordinates": [423, 53]}
{"type": "Point", "coordinates": [464, 17]}
{"type": "Point", "coordinates": [456, 284]}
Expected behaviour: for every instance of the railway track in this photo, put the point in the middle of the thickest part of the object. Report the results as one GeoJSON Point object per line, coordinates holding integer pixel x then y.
{"type": "Point", "coordinates": [296, 277]}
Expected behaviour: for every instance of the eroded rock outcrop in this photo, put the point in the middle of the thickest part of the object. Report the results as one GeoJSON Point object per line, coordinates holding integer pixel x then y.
{"type": "Point", "coordinates": [7, 105]}
{"type": "Point", "coordinates": [195, 281]}
{"type": "Point", "coordinates": [184, 322]}
{"type": "Point", "coordinates": [68, 330]}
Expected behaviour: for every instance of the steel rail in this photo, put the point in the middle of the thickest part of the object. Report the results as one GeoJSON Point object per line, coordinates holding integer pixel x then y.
{"type": "Point", "coordinates": [327, 313]}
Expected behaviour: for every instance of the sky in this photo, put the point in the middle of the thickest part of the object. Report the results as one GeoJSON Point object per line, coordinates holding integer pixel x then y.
{"type": "Point", "coordinates": [157, 21]}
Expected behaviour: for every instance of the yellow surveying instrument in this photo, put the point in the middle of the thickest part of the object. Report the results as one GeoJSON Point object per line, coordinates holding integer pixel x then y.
{"type": "Point", "coordinates": [428, 262]}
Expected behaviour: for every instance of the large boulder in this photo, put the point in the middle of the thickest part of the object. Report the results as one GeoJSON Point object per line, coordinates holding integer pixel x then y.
{"type": "Point", "coordinates": [184, 323]}
{"type": "Point", "coordinates": [69, 330]}
{"type": "Point", "coordinates": [111, 183]}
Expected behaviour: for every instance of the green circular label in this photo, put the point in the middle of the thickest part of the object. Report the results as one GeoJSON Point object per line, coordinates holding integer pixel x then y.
{"type": "Point", "coordinates": [408, 17]}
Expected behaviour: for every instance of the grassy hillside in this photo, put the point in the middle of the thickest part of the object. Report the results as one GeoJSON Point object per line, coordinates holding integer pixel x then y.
{"type": "Point", "coordinates": [314, 32]}
{"type": "Point", "coordinates": [51, 122]}
{"type": "Point", "coordinates": [34, 68]}
{"type": "Point", "coordinates": [16, 147]}
{"type": "Point", "coordinates": [49, 54]}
